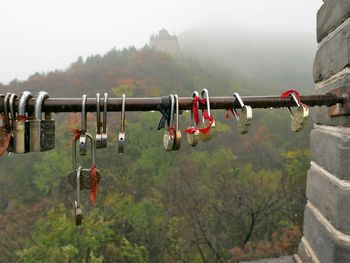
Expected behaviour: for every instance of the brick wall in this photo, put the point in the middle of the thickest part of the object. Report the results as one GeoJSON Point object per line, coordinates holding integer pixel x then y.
{"type": "Point", "coordinates": [327, 212]}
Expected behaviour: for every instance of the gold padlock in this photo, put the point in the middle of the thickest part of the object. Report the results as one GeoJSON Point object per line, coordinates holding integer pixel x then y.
{"type": "Point", "coordinates": [245, 117]}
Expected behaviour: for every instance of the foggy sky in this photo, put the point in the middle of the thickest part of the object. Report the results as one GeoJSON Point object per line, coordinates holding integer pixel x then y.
{"type": "Point", "coordinates": [43, 35]}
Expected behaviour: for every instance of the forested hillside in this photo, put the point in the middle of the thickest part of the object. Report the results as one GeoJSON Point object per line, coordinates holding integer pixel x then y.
{"type": "Point", "coordinates": [235, 197]}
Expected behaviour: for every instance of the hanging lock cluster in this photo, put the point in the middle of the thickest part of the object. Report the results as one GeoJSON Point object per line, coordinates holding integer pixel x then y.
{"type": "Point", "coordinates": [25, 132]}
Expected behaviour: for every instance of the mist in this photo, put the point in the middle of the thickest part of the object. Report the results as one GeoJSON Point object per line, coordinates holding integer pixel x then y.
{"type": "Point", "coordinates": [40, 36]}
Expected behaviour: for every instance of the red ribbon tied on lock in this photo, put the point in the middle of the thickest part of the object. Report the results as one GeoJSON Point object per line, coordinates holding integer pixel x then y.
{"type": "Point", "coordinates": [195, 107]}
{"type": "Point", "coordinates": [206, 116]}
{"type": "Point", "coordinates": [93, 192]}
{"type": "Point", "coordinates": [287, 94]}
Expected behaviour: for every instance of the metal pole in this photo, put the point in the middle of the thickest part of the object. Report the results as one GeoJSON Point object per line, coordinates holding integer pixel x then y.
{"type": "Point", "coordinates": [185, 103]}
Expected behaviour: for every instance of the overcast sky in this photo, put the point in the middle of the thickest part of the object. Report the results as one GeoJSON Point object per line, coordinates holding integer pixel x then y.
{"type": "Point", "coordinates": [43, 35]}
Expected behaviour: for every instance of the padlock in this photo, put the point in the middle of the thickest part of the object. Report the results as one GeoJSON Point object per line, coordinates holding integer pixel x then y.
{"type": "Point", "coordinates": [98, 123]}
{"type": "Point", "coordinates": [42, 131]}
{"type": "Point", "coordinates": [205, 137]}
{"type": "Point", "coordinates": [121, 137]}
{"type": "Point", "coordinates": [245, 117]}
{"type": "Point", "coordinates": [77, 204]}
{"type": "Point", "coordinates": [169, 134]}
{"type": "Point", "coordinates": [177, 142]}
{"type": "Point", "coordinates": [5, 129]}
{"type": "Point", "coordinates": [192, 138]}
{"type": "Point", "coordinates": [22, 127]}
{"type": "Point", "coordinates": [299, 117]}
{"type": "Point", "coordinates": [86, 179]}
{"type": "Point", "coordinates": [82, 138]}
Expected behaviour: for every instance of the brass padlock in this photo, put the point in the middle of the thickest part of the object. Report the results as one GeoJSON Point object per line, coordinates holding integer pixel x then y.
{"type": "Point", "coordinates": [121, 137]}
{"type": "Point", "coordinates": [86, 179]}
{"type": "Point", "coordinates": [77, 205]}
{"type": "Point", "coordinates": [169, 134]}
{"type": "Point", "coordinates": [42, 131]}
{"type": "Point", "coordinates": [245, 117]}
{"type": "Point", "coordinates": [177, 142]}
{"type": "Point", "coordinates": [205, 137]}
{"type": "Point", "coordinates": [193, 138]}
{"type": "Point", "coordinates": [22, 127]}
{"type": "Point", "coordinates": [82, 138]}
{"type": "Point", "coordinates": [299, 117]}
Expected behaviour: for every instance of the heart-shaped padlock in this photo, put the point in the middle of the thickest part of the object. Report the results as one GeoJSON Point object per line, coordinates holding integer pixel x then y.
{"type": "Point", "coordinates": [245, 117]}
{"type": "Point", "coordinates": [299, 117]}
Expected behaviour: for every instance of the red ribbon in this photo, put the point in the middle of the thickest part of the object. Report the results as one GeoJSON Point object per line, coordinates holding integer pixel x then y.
{"type": "Point", "coordinates": [227, 113]}
{"type": "Point", "coordinates": [75, 135]}
{"type": "Point", "coordinates": [195, 107]}
{"type": "Point", "coordinates": [22, 118]}
{"type": "Point", "coordinates": [206, 116]}
{"type": "Point", "coordinates": [5, 144]}
{"type": "Point", "coordinates": [93, 192]}
{"type": "Point", "coordinates": [287, 94]}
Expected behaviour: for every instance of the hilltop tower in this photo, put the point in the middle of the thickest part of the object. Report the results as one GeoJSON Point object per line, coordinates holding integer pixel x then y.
{"type": "Point", "coordinates": [166, 43]}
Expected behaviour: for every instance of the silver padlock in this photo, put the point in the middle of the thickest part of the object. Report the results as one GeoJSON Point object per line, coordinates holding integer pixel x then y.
{"type": "Point", "coordinates": [121, 137]}
{"type": "Point", "coordinates": [77, 204]}
{"type": "Point", "coordinates": [22, 128]}
{"type": "Point", "coordinates": [85, 176]}
{"type": "Point", "coordinates": [169, 134]}
{"type": "Point", "coordinates": [82, 138]}
{"type": "Point", "coordinates": [42, 131]}
{"type": "Point", "coordinates": [98, 122]}
{"type": "Point", "coordinates": [245, 117]}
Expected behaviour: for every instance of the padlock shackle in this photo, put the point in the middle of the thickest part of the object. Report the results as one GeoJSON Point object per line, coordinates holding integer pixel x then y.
{"type": "Point", "coordinates": [122, 115]}
{"type": "Point", "coordinates": [98, 114]}
{"type": "Point", "coordinates": [176, 97]}
{"type": "Point", "coordinates": [6, 111]}
{"type": "Point", "coordinates": [238, 97]}
{"type": "Point", "coordinates": [40, 97]}
{"type": "Point", "coordinates": [83, 114]}
{"type": "Point", "coordinates": [192, 122]}
{"type": "Point", "coordinates": [105, 104]}
{"type": "Point", "coordinates": [78, 186]}
{"type": "Point", "coordinates": [25, 96]}
{"type": "Point", "coordinates": [172, 104]}
{"type": "Point", "coordinates": [205, 95]}
{"type": "Point", "coordinates": [12, 109]}
{"type": "Point", "coordinates": [295, 99]}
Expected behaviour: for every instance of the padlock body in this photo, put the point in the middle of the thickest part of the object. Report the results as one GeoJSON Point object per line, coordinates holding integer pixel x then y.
{"type": "Point", "coordinates": [42, 135]}
{"type": "Point", "coordinates": [85, 178]}
{"type": "Point", "coordinates": [22, 137]}
{"type": "Point", "coordinates": [168, 139]}
{"type": "Point", "coordinates": [177, 142]}
{"type": "Point", "coordinates": [192, 138]}
{"type": "Point", "coordinates": [121, 142]}
{"type": "Point", "coordinates": [205, 137]}
{"type": "Point", "coordinates": [82, 144]}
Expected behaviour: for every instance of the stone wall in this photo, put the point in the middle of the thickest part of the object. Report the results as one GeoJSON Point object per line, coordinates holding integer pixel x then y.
{"type": "Point", "coordinates": [327, 212]}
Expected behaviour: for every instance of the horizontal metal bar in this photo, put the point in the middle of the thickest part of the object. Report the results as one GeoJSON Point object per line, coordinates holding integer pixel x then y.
{"type": "Point", "coordinates": [185, 103]}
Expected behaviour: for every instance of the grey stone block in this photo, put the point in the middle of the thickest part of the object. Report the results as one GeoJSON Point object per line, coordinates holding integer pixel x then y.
{"type": "Point", "coordinates": [330, 148]}
{"type": "Point", "coordinates": [332, 56]}
{"type": "Point", "coordinates": [330, 16]}
{"type": "Point", "coordinates": [286, 259]}
{"type": "Point", "coordinates": [327, 246]}
{"type": "Point", "coordinates": [320, 116]}
{"type": "Point", "coordinates": [330, 196]}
